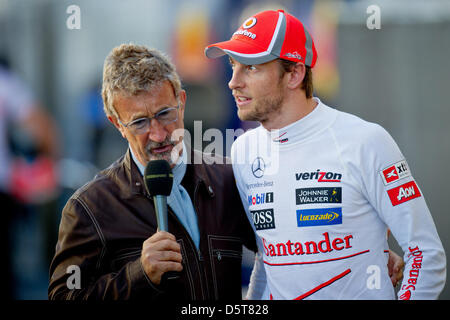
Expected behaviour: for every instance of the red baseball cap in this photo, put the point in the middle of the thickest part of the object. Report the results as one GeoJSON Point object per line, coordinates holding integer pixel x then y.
{"type": "Point", "coordinates": [266, 36]}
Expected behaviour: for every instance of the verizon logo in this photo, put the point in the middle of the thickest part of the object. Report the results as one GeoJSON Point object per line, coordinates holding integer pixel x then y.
{"type": "Point", "coordinates": [320, 176]}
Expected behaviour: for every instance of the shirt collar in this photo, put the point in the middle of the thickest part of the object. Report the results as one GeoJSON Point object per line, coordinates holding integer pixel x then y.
{"type": "Point", "coordinates": [316, 121]}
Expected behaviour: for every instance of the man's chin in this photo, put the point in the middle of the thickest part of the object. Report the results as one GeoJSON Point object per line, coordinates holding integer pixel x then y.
{"type": "Point", "coordinates": [171, 157]}
{"type": "Point", "coordinates": [245, 115]}
{"type": "Point", "coordinates": [248, 116]}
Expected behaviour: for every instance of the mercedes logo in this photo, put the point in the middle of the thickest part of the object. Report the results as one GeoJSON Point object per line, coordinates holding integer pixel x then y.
{"type": "Point", "coordinates": [258, 167]}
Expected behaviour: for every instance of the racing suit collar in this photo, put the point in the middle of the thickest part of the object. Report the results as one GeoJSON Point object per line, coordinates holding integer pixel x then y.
{"type": "Point", "coordinates": [315, 122]}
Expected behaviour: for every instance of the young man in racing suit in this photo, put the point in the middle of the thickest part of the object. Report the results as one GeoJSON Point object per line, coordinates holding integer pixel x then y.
{"type": "Point", "coordinates": [321, 187]}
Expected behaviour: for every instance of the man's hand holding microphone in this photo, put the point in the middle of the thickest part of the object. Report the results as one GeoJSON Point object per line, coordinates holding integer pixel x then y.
{"type": "Point", "coordinates": [161, 254]}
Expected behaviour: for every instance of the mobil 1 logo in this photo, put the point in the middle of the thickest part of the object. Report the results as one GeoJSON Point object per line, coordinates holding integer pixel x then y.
{"type": "Point", "coordinates": [263, 219]}
{"type": "Point", "coordinates": [260, 198]}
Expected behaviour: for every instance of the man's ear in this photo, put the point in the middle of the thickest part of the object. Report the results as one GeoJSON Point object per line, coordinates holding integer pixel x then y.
{"type": "Point", "coordinates": [296, 76]}
{"type": "Point", "coordinates": [116, 124]}
{"type": "Point", "coordinates": [182, 98]}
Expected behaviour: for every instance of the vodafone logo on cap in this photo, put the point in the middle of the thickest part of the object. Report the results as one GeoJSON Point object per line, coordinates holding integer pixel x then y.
{"type": "Point", "coordinates": [250, 22]}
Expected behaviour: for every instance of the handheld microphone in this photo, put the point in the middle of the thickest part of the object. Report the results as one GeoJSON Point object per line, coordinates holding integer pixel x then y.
{"type": "Point", "coordinates": [158, 180]}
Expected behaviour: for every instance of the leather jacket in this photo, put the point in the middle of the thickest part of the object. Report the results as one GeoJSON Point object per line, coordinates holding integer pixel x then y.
{"type": "Point", "coordinates": [105, 223]}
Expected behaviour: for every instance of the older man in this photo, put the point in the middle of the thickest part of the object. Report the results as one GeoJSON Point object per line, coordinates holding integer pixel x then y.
{"type": "Point", "coordinates": [108, 231]}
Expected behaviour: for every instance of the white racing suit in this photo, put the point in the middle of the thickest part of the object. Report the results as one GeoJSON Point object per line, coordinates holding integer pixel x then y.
{"type": "Point", "coordinates": [321, 194]}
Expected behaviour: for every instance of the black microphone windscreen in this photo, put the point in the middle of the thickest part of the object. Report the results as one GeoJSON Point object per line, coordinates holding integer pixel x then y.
{"type": "Point", "coordinates": [158, 178]}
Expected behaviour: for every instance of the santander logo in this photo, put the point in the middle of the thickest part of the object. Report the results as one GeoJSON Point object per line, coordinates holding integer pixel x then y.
{"type": "Point", "coordinates": [292, 248]}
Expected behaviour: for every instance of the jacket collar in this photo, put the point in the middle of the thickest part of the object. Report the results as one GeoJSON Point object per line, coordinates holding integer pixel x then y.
{"type": "Point", "coordinates": [134, 176]}
{"type": "Point", "coordinates": [199, 167]}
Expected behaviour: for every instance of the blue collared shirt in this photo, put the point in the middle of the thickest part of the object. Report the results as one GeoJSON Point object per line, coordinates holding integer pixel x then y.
{"type": "Point", "coordinates": [179, 200]}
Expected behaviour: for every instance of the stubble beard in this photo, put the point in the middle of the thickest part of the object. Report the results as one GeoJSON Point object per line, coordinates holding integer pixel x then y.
{"type": "Point", "coordinates": [167, 155]}
{"type": "Point", "coordinates": [264, 109]}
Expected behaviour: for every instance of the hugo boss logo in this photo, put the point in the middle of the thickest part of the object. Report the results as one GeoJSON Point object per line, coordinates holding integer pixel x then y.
{"type": "Point", "coordinates": [263, 219]}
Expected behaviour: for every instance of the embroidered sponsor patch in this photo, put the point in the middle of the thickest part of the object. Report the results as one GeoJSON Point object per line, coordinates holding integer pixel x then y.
{"type": "Point", "coordinates": [319, 217]}
{"type": "Point", "coordinates": [260, 198]}
{"type": "Point", "coordinates": [250, 22]}
{"type": "Point", "coordinates": [395, 172]}
{"type": "Point", "coordinates": [263, 219]}
{"type": "Point", "coordinates": [404, 193]}
{"type": "Point", "coordinates": [318, 195]}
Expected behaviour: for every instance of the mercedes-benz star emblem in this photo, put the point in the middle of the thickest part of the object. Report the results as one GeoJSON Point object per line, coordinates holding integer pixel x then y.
{"type": "Point", "coordinates": [258, 167]}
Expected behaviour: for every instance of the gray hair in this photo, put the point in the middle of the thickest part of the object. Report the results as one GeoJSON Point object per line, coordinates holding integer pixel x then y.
{"type": "Point", "coordinates": [131, 69]}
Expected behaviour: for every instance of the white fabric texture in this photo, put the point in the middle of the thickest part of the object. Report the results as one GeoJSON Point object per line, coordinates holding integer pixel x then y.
{"type": "Point", "coordinates": [321, 204]}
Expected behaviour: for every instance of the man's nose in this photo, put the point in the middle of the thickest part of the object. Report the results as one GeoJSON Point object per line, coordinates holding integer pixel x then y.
{"type": "Point", "coordinates": [236, 80]}
{"type": "Point", "coordinates": [157, 132]}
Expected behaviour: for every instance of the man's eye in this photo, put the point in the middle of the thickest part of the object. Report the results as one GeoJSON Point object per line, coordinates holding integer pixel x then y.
{"type": "Point", "coordinates": [163, 113]}
{"type": "Point", "coordinates": [231, 63]}
{"type": "Point", "coordinates": [139, 123]}
{"type": "Point", "coordinates": [251, 67]}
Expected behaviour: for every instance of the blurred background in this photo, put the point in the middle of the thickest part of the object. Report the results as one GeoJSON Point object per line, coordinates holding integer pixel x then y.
{"type": "Point", "coordinates": [54, 136]}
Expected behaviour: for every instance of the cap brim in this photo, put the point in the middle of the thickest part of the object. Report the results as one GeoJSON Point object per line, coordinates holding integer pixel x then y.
{"type": "Point", "coordinates": [240, 51]}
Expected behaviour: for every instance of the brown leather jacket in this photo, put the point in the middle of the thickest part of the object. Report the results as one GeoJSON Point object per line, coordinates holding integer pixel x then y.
{"type": "Point", "coordinates": [105, 222]}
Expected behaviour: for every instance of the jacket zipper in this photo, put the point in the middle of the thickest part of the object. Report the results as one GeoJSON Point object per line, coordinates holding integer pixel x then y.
{"type": "Point", "coordinates": [226, 253]}
{"type": "Point", "coordinates": [188, 236]}
{"type": "Point", "coordinates": [200, 256]}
